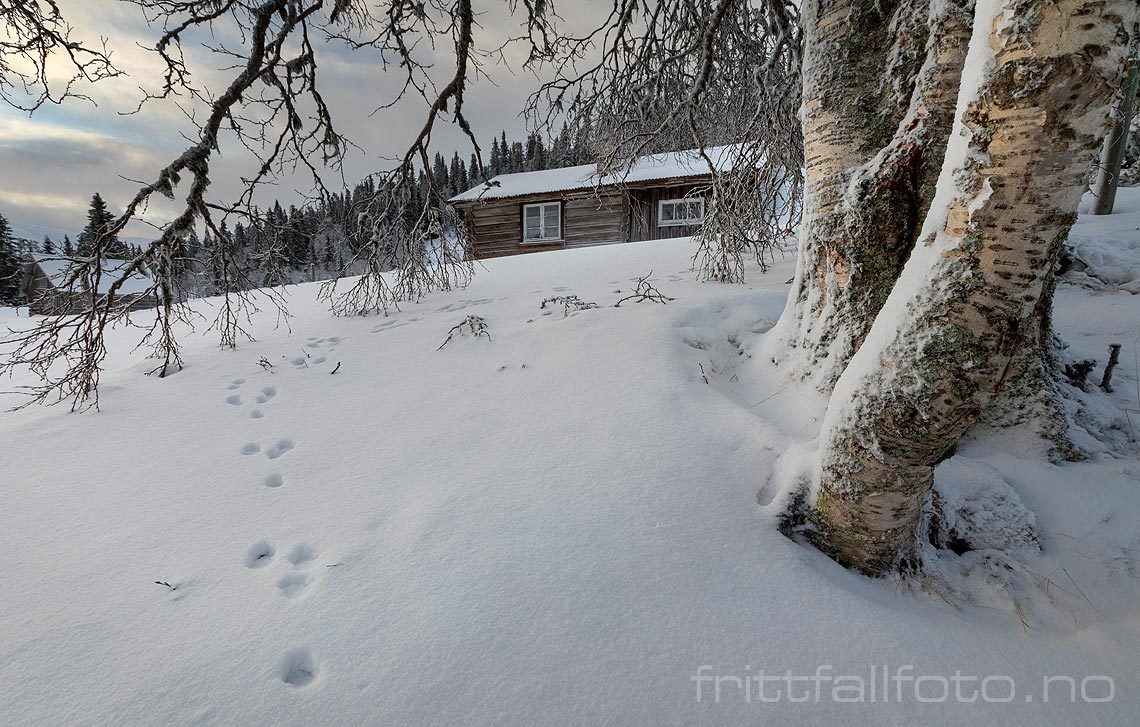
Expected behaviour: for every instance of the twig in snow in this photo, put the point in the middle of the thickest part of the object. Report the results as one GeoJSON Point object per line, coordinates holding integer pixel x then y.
{"type": "Point", "coordinates": [336, 369]}
{"type": "Point", "coordinates": [475, 324]}
{"type": "Point", "coordinates": [1067, 575]}
{"type": "Point", "coordinates": [264, 363]}
{"type": "Point", "coordinates": [1016, 608]}
{"type": "Point", "coordinates": [645, 291]}
{"type": "Point", "coordinates": [569, 303]}
{"type": "Point", "coordinates": [703, 375]}
{"type": "Point", "coordinates": [164, 583]}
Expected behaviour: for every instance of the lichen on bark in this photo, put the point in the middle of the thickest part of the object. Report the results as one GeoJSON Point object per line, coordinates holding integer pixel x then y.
{"type": "Point", "coordinates": [879, 94]}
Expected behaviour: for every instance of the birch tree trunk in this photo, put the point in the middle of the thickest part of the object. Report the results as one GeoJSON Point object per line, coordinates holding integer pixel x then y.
{"type": "Point", "coordinates": [1108, 177]}
{"type": "Point", "coordinates": [880, 83]}
{"type": "Point", "coordinates": [1031, 113]}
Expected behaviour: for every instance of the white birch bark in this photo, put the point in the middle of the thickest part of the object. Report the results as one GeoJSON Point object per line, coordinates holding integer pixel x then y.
{"type": "Point", "coordinates": [1032, 111]}
{"type": "Point", "coordinates": [880, 83]}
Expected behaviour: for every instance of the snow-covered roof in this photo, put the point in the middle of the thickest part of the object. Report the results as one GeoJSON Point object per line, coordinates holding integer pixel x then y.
{"type": "Point", "coordinates": [55, 267]}
{"type": "Point", "coordinates": [670, 165]}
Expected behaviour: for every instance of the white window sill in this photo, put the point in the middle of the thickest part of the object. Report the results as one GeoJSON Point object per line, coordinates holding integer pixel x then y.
{"type": "Point", "coordinates": [543, 242]}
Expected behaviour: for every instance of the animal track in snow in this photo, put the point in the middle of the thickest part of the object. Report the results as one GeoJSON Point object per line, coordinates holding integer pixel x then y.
{"type": "Point", "coordinates": [389, 325]}
{"type": "Point", "coordinates": [460, 305]}
{"type": "Point", "coordinates": [281, 447]}
{"type": "Point", "coordinates": [256, 414]}
{"type": "Point", "coordinates": [266, 394]}
{"type": "Point", "coordinates": [304, 362]}
{"type": "Point", "coordinates": [235, 384]}
{"type": "Point", "coordinates": [293, 584]}
{"type": "Point", "coordinates": [394, 323]}
{"type": "Point", "coordinates": [233, 399]}
{"type": "Point", "coordinates": [298, 668]}
{"type": "Point", "coordinates": [251, 448]}
{"type": "Point", "coordinates": [301, 553]}
{"type": "Point", "coordinates": [274, 480]}
{"type": "Point", "coordinates": [259, 554]}
{"type": "Point", "coordinates": [320, 342]}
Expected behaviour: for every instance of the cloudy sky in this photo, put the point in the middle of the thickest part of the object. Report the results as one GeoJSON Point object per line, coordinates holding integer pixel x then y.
{"type": "Point", "coordinates": [51, 163]}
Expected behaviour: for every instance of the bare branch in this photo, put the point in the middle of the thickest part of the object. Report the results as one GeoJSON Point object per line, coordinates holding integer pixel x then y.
{"type": "Point", "coordinates": [34, 35]}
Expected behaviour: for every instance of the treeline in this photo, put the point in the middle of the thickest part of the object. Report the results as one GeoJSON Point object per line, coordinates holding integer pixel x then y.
{"type": "Point", "coordinates": [283, 245]}
{"type": "Point", "coordinates": [567, 149]}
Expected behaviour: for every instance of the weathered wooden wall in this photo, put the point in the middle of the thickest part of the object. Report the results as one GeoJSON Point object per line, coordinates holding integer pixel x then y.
{"type": "Point", "coordinates": [643, 211]}
{"type": "Point", "coordinates": [589, 217]}
{"type": "Point", "coordinates": [594, 219]}
{"type": "Point", "coordinates": [495, 225]}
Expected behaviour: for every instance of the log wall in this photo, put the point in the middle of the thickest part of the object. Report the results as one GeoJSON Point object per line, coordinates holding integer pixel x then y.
{"type": "Point", "coordinates": [589, 217]}
{"type": "Point", "coordinates": [643, 211]}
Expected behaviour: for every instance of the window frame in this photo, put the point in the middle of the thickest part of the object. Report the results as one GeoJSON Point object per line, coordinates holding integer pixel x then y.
{"type": "Point", "coordinates": [542, 207]}
{"type": "Point", "coordinates": [684, 222]}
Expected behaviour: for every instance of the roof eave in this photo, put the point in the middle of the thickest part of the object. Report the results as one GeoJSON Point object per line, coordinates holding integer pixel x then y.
{"type": "Point", "coordinates": [637, 184]}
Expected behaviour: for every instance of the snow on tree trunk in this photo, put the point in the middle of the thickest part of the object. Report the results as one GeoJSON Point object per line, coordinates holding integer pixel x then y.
{"type": "Point", "coordinates": [1031, 113]}
{"type": "Point", "coordinates": [880, 83]}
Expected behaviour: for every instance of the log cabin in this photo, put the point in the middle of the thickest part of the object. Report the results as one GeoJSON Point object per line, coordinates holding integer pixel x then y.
{"type": "Point", "coordinates": [658, 196]}
{"type": "Point", "coordinates": [52, 287]}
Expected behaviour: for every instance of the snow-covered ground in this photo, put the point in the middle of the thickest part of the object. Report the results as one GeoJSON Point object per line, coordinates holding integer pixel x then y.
{"type": "Point", "coordinates": [563, 524]}
{"type": "Point", "coordinates": [1106, 248]}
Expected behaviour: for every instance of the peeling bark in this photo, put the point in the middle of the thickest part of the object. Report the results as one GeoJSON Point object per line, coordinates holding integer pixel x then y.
{"type": "Point", "coordinates": [967, 306]}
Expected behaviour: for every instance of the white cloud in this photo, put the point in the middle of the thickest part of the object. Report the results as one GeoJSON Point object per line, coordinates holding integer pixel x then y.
{"type": "Point", "coordinates": [64, 154]}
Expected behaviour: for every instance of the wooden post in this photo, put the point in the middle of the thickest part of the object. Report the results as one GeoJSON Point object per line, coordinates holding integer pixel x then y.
{"type": "Point", "coordinates": [1113, 359]}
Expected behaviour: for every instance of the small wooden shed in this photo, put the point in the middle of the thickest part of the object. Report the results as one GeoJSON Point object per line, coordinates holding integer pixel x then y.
{"type": "Point", "coordinates": [52, 287]}
{"type": "Point", "coordinates": [659, 196]}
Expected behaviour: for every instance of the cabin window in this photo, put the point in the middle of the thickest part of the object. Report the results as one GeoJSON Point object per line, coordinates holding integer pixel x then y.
{"type": "Point", "coordinates": [542, 222]}
{"type": "Point", "coordinates": [680, 212]}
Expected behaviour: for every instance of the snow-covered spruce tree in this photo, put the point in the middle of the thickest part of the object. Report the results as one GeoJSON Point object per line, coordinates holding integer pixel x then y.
{"type": "Point", "coordinates": [10, 266]}
{"type": "Point", "coordinates": [969, 310]}
{"type": "Point", "coordinates": [99, 224]}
